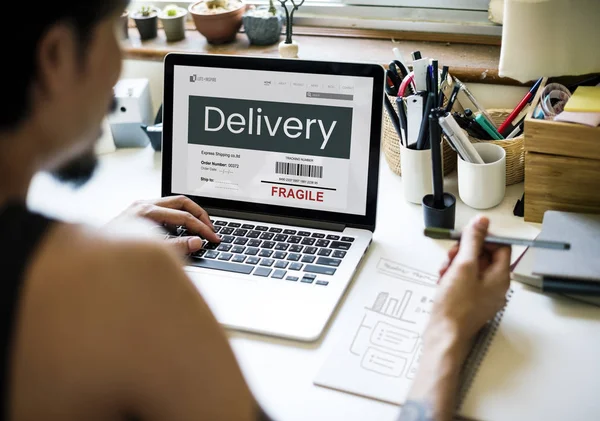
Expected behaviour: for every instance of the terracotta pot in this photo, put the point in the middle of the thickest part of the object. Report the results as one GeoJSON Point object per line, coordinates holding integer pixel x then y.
{"type": "Point", "coordinates": [218, 28]}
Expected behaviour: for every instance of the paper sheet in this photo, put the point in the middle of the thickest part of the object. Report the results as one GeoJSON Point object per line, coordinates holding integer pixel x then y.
{"type": "Point", "coordinates": [379, 357]}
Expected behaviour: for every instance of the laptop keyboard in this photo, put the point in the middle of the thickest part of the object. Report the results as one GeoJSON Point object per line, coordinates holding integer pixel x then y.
{"type": "Point", "coordinates": [302, 256]}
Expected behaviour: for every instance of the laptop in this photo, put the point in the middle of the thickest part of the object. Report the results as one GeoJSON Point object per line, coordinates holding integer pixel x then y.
{"type": "Point", "coordinates": [284, 155]}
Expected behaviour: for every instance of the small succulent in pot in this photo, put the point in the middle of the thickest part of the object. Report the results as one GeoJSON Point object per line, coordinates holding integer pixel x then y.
{"type": "Point", "coordinates": [173, 20]}
{"type": "Point", "coordinates": [263, 24]}
{"type": "Point", "coordinates": [146, 20]}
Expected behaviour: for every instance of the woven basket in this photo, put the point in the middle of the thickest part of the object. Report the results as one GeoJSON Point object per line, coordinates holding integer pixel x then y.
{"type": "Point", "coordinates": [391, 146]}
{"type": "Point", "coordinates": [515, 151]}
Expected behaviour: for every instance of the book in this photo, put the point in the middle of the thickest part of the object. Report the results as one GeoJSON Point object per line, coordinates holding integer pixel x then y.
{"type": "Point", "coordinates": [580, 262]}
{"type": "Point", "coordinates": [523, 273]}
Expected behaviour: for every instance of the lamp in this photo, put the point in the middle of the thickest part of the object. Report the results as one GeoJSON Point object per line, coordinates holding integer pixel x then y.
{"type": "Point", "coordinates": [550, 38]}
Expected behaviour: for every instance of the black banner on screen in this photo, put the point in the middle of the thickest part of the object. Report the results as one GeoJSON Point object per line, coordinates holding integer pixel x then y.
{"type": "Point", "coordinates": [316, 130]}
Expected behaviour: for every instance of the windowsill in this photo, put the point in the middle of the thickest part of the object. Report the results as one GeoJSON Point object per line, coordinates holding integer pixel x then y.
{"type": "Point", "coordinates": [474, 63]}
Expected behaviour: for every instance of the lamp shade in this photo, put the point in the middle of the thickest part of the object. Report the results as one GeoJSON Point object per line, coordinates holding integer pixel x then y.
{"type": "Point", "coordinates": [550, 38]}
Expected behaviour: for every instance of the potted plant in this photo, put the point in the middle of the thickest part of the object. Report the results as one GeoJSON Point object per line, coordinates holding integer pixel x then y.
{"type": "Point", "coordinates": [146, 20]}
{"type": "Point", "coordinates": [263, 24]}
{"type": "Point", "coordinates": [218, 20]}
{"type": "Point", "coordinates": [125, 24]}
{"type": "Point", "coordinates": [173, 20]}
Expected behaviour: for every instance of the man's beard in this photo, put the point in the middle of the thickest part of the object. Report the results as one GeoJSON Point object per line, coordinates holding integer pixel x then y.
{"type": "Point", "coordinates": [78, 171]}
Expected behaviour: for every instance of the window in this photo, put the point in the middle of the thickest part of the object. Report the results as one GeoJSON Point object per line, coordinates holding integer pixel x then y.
{"type": "Point", "coordinates": [439, 16]}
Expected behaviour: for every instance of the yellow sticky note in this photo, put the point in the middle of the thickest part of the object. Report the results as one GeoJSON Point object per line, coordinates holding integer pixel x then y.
{"type": "Point", "coordinates": [585, 99]}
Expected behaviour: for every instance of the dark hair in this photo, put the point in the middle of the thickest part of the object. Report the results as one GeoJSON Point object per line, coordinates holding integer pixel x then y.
{"type": "Point", "coordinates": [20, 70]}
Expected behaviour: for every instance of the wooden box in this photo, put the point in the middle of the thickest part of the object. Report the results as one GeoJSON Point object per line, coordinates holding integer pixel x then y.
{"type": "Point", "coordinates": [562, 166]}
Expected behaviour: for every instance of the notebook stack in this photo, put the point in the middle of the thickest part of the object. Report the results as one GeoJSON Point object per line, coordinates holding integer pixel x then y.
{"type": "Point", "coordinates": [574, 272]}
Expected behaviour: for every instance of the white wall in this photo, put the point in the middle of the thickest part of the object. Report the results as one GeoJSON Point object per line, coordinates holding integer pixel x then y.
{"type": "Point", "coordinates": [490, 96]}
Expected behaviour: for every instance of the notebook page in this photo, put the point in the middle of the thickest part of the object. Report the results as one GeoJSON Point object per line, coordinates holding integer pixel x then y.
{"type": "Point", "coordinates": [379, 355]}
{"type": "Point", "coordinates": [543, 363]}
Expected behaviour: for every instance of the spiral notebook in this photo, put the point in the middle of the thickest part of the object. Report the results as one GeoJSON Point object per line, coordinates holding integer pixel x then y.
{"type": "Point", "coordinates": [534, 360]}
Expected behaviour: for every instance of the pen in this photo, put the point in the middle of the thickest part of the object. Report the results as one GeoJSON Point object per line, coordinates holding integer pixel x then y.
{"type": "Point", "coordinates": [515, 132]}
{"type": "Point", "coordinates": [402, 119]}
{"type": "Point", "coordinates": [442, 84]}
{"type": "Point", "coordinates": [446, 234]}
{"type": "Point", "coordinates": [435, 81]}
{"type": "Point", "coordinates": [452, 98]}
{"type": "Point", "coordinates": [424, 130]}
{"type": "Point", "coordinates": [526, 100]}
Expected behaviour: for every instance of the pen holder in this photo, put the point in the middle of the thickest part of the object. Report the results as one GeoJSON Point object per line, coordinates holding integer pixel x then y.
{"type": "Point", "coordinates": [439, 217]}
{"type": "Point", "coordinates": [392, 152]}
{"type": "Point", "coordinates": [514, 148]}
{"type": "Point", "coordinates": [416, 177]}
{"type": "Point", "coordinates": [482, 186]}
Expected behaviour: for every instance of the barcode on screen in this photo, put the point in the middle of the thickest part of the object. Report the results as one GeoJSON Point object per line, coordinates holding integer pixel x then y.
{"type": "Point", "coordinates": [299, 170]}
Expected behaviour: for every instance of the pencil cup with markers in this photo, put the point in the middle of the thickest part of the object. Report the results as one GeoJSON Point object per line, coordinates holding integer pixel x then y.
{"type": "Point", "coordinates": [483, 186]}
{"type": "Point", "coordinates": [393, 153]}
{"type": "Point", "coordinates": [514, 148]}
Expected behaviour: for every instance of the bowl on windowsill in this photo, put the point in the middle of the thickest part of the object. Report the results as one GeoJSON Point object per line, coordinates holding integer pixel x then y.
{"type": "Point", "coordinates": [218, 20]}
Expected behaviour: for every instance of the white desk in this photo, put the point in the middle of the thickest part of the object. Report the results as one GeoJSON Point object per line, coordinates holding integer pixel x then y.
{"type": "Point", "coordinates": [281, 372]}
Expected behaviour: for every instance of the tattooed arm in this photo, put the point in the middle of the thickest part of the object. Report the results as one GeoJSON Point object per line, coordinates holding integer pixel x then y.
{"type": "Point", "coordinates": [472, 289]}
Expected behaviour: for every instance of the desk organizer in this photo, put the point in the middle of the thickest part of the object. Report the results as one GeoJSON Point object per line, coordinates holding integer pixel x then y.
{"type": "Point", "coordinates": [514, 148]}
{"type": "Point", "coordinates": [562, 166]}
{"type": "Point", "coordinates": [391, 146]}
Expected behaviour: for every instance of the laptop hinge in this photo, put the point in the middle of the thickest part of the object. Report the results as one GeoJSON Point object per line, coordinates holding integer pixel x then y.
{"type": "Point", "coordinates": [282, 220]}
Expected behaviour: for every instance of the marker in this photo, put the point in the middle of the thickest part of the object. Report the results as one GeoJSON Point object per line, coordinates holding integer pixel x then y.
{"type": "Point", "coordinates": [446, 234]}
{"type": "Point", "coordinates": [452, 99]}
{"type": "Point", "coordinates": [526, 100]}
{"type": "Point", "coordinates": [490, 129]}
{"type": "Point", "coordinates": [436, 160]}
{"type": "Point", "coordinates": [420, 69]}
{"type": "Point", "coordinates": [475, 102]}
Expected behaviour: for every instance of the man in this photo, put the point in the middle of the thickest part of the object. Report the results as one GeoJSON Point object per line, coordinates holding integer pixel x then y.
{"type": "Point", "coordinates": [99, 326]}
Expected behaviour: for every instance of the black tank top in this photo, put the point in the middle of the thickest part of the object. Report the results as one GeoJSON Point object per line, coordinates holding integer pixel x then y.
{"type": "Point", "coordinates": [20, 234]}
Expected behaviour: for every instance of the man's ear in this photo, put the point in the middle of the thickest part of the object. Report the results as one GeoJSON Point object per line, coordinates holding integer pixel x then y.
{"type": "Point", "coordinates": [56, 60]}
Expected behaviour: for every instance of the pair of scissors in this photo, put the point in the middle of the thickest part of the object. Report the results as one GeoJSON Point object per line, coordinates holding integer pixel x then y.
{"type": "Point", "coordinates": [391, 84]}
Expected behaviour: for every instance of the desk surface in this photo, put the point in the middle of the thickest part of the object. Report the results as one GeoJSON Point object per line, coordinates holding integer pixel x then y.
{"type": "Point", "coordinates": [281, 372]}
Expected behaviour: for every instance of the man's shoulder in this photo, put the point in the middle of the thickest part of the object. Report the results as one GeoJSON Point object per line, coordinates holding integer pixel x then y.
{"type": "Point", "coordinates": [73, 251]}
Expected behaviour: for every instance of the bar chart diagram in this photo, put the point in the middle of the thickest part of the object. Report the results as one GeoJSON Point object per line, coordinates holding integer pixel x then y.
{"type": "Point", "coordinates": [380, 356]}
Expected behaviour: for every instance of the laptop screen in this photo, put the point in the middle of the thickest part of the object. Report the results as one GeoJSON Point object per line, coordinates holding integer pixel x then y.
{"type": "Point", "coordinates": [282, 139]}
{"type": "Point", "coordinates": [278, 138]}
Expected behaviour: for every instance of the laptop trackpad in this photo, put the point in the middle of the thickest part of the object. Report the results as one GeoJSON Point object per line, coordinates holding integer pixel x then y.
{"type": "Point", "coordinates": [269, 306]}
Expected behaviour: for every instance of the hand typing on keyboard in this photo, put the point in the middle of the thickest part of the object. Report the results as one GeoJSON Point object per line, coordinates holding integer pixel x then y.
{"type": "Point", "coordinates": [178, 211]}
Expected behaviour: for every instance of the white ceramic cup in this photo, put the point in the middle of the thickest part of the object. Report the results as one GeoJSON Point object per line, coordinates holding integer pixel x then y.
{"type": "Point", "coordinates": [415, 167]}
{"type": "Point", "coordinates": [482, 186]}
